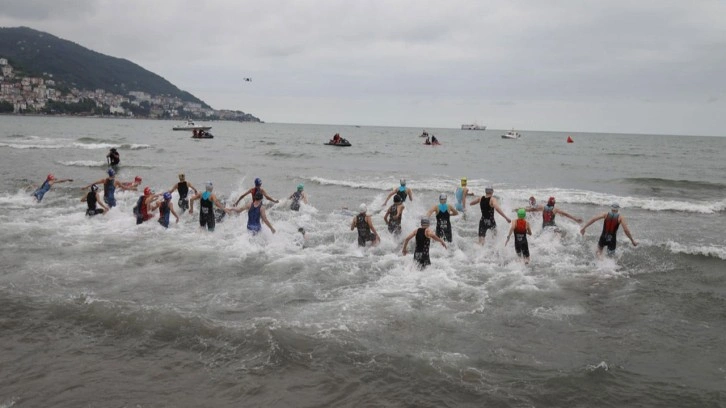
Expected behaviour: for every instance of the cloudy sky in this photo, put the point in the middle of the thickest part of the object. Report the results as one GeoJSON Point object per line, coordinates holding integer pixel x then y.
{"type": "Point", "coordinates": [644, 66]}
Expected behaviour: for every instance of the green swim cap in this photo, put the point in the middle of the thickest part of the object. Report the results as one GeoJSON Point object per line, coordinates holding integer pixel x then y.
{"type": "Point", "coordinates": [521, 213]}
{"type": "Point", "coordinates": [300, 186]}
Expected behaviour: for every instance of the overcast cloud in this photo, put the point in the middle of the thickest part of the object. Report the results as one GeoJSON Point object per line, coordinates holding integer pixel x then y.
{"type": "Point", "coordinates": [617, 66]}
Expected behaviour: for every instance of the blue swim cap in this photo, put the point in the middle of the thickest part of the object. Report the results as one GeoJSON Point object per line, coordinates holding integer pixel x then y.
{"type": "Point", "coordinates": [258, 182]}
{"type": "Point", "coordinates": [111, 173]}
{"type": "Point", "coordinates": [167, 196]}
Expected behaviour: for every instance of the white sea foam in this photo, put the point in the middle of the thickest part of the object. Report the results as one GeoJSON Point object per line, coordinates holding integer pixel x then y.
{"type": "Point", "coordinates": [511, 198]}
{"type": "Point", "coordinates": [705, 250]}
{"type": "Point", "coordinates": [84, 163]}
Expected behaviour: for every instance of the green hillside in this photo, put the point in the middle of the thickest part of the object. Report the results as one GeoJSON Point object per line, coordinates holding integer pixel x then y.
{"type": "Point", "coordinates": [36, 52]}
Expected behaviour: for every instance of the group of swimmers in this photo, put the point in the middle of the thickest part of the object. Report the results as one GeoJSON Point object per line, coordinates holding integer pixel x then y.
{"type": "Point", "coordinates": [520, 227]}
{"type": "Point", "coordinates": [488, 205]}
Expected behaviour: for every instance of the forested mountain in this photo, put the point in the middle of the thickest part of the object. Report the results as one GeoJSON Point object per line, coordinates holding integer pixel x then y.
{"type": "Point", "coordinates": [36, 52]}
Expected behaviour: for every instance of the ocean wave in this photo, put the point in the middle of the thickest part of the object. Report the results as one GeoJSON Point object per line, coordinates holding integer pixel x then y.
{"type": "Point", "coordinates": [702, 250]}
{"type": "Point", "coordinates": [84, 163]}
{"type": "Point", "coordinates": [95, 146]}
{"type": "Point", "coordinates": [277, 153]}
{"type": "Point", "coordinates": [601, 199]}
{"type": "Point", "coordinates": [30, 146]}
{"type": "Point", "coordinates": [670, 183]}
{"type": "Point", "coordinates": [40, 143]}
{"type": "Point", "coordinates": [511, 197]}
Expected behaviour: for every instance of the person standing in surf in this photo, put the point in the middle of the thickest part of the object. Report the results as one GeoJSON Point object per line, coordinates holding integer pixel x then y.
{"type": "Point", "coordinates": [206, 207]}
{"type": "Point", "coordinates": [256, 213]}
{"type": "Point", "coordinates": [110, 184]}
{"type": "Point", "coordinates": [423, 240]}
{"type": "Point", "coordinates": [443, 212]}
{"type": "Point", "coordinates": [549, 212]}
{"type": "Point", "coordinates": [183, 187]}
{"type": "Point", "coordinates": [401, 191]}
{"type": "Point", "coordinates": [91, 199]}
{"type": "Point", "coordinates": [254, 190]}
{"type": "Point", "coordinates": [142, 210]}
{"type": "Point", "coordinates": [488, 204]}
{"type": "Point", "coordinates": [298, 196]}
{"type": "Point", "coordinates": [113, 158]}
{"type": "Point", "coordinates": [520, 227]}
{"type": "Point", "coordinates": [165, 207]}
{"type": "Point", "coordinates": [612, 221]}
{"type": "Point", "coordinates": [366, 231]}
{"type": "Point", "coordinates": [394, 215]}
{"type": "Point", "coordinates": [460, 194]}
{"type": "Point", "coordinates": [45, 187]}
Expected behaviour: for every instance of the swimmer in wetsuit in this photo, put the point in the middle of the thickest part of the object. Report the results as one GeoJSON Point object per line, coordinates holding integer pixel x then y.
{"type": "Point", "coordinates": [298, 196]}
{"type": "Point", "coordinates": [255, 189]}
{"type": "Point", "coordinates": [488, 204]}
{"type": "Point", "coordinates": [166, 207]}
{"type": "Point", "coordinates": [45, 187]}
{"type": "Point", "coordinates": [183, 187]}
{"type": "Point", "coordinates": [520, 227]}
{"type": "Point", "coordinates": [394, 215]}
{"type": "Point", "coordinates": [423, 240]}
{"type": "Point", "coordinates": [401, 191]}
{"type": "Point", "coordinates": [612, 220]}
{"type": "Point", "coordinates": [206, 207]}
{"type": "Point", "coordinates": [443, 212]}
{"type": "Point", "coordinates": [255, 213]}
{"type": "Point", "coordinates": [549, 212]}
{"type": "Point", "coordinates": [364, 224]}
{"type": "Point", "coordinates": [92, 199]}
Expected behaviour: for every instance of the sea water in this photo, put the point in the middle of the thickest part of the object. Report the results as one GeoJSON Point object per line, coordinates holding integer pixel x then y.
{"type": "Point", "coordinates": [102, 312]}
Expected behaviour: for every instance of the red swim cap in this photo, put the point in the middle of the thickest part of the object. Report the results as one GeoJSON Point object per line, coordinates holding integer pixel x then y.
{"type": "Point", "coordinates": [147, 191]}
{"type": "Point", "coordinates": [138, 178]}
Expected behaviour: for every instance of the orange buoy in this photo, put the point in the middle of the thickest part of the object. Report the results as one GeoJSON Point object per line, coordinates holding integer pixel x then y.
{"type": "Point", "coordinates": [569, 140]}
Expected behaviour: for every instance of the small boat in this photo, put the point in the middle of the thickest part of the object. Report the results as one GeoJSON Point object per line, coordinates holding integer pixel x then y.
{"type": "Point", "coordinates": [190, 125]}
{"type": "Point", "coordinates": [341, 143]}
{"type": "Point", "coordinates": [202, 134]}
{"type": "Point", "coordinates": [473, 126]}
{"type": "Point", "coordinates": [511, 135]}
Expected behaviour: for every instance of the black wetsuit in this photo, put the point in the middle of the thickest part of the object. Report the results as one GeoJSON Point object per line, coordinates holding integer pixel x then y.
{"type": "Point", "coordinates": [183, 188]}
{"type": "Point", "coordinates": [164, 213]}
{"type": "Point", "coordinates": [443, 224]}
{"type": "Point", "coordinates": [394, 222]}
{"type": "Point", "coordinates": [403, 194]}
{"type": "Point", "coordinates": [91, 201]}
{"type": "Point", "coordinates": [487, 221]}
{"type": "Point", "coordinates": [609, 232]}
{"type": "Point", "coordinates": [520, 238]}
{"type": "Point", "coordinates": [206, 212]}
{"type": "Point", "coordinates": [364, 230]}
{"type": "Point", "coordinates": [421, 253]}
{"type": "Point", "coordinates": [115, 158]}
{"type": "Point", "coordinates": [296, 197]}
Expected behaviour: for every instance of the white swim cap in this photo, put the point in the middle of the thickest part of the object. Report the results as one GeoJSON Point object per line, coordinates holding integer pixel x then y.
{"type": "Point", "coordinates": [363, 208]}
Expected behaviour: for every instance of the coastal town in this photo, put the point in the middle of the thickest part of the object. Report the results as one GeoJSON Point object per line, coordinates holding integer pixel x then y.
{"type": "Point", "coordinates": [25, 94]}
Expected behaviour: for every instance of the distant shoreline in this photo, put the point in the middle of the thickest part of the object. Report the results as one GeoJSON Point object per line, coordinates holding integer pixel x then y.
{"type": "Point", "coordinates": [121, 117]}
